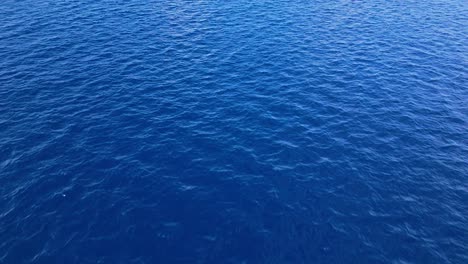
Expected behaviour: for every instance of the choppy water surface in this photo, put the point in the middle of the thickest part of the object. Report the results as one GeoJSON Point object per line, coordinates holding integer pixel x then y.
{"type": "Point", "coordinates": [234, 131]}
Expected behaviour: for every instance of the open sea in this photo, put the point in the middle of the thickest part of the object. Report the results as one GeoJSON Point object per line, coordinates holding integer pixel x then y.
{"type": "Point", "coordinates": [233, 131]}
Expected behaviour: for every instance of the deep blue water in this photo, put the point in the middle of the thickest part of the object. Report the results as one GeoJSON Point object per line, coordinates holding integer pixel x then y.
{"type": "Point", "coordinates": [235, 131]}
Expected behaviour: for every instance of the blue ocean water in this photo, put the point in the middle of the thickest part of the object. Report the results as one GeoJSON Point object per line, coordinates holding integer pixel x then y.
{"type": "Point", "coordinates": [149, 131]}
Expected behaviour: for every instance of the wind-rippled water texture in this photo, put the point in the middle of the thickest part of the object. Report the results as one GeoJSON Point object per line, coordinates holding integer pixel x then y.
{"type": "Point", "coordinates": [148, 131]}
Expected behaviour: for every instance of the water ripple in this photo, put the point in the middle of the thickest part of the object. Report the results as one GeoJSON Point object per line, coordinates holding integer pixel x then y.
{"type": "Point", "coordinates": [233, 131]}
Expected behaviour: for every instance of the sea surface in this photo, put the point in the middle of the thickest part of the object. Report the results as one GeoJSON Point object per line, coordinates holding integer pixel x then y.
{"type": "Point", "coordinates": [233, 131]}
